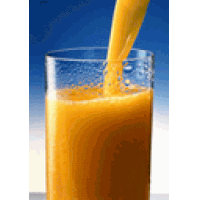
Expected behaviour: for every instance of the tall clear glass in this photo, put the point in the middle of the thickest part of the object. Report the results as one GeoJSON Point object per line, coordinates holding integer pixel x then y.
{"type": "Point", "coordinates": [98, 147]}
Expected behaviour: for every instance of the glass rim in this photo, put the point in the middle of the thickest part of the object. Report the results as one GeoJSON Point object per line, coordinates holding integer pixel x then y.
{"type": "Point", "coordinates": [95, 60]}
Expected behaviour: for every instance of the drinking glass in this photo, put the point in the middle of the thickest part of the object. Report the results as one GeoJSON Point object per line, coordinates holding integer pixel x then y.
{"type": "Point", "coordinates": [98, 147]}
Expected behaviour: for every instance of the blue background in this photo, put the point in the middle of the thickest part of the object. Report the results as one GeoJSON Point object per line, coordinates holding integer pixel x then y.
{"type": "Point", "coordinates": [57, 24]}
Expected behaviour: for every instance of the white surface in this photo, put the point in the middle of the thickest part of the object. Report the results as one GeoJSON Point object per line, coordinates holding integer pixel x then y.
{"type": "Point", "coordinates": [41, 196]}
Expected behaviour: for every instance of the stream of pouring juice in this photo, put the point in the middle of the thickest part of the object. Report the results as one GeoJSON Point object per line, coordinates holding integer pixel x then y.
{"type": "Point", "coordinates": [127, 20]}
{"type": "Point", "coordinates": [98, 144]}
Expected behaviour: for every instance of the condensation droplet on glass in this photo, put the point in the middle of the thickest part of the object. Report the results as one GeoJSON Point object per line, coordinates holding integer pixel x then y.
{"type": "Point", "coordinates": [100, 84]}
{"type": "Point", "coordinates": [127, 81]}
{"type": "Point", "coordinates": [128, 68]}
{"type": "Point", "coordinates": [148, 77]}
{"type": "Point", "coordinates": [104, 63]}
{"type": "Point", "coordinates": [140, 73]}
{"type": "Point", "coordinates": [105, 71]}
{"type": "Point", "coordinates": [146, 67]}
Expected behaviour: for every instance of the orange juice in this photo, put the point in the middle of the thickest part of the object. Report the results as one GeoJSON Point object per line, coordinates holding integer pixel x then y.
{"type": "Point", "coordinates": [127, 20]}
{"type": "Point", "coordinates": [98, 148]}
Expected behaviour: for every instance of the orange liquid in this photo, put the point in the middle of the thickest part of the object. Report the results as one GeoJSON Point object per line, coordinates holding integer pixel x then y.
{"type": "Point", "coordinates": [98, 148]}
{"type": "Point", "coordinates": [127, 20]}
